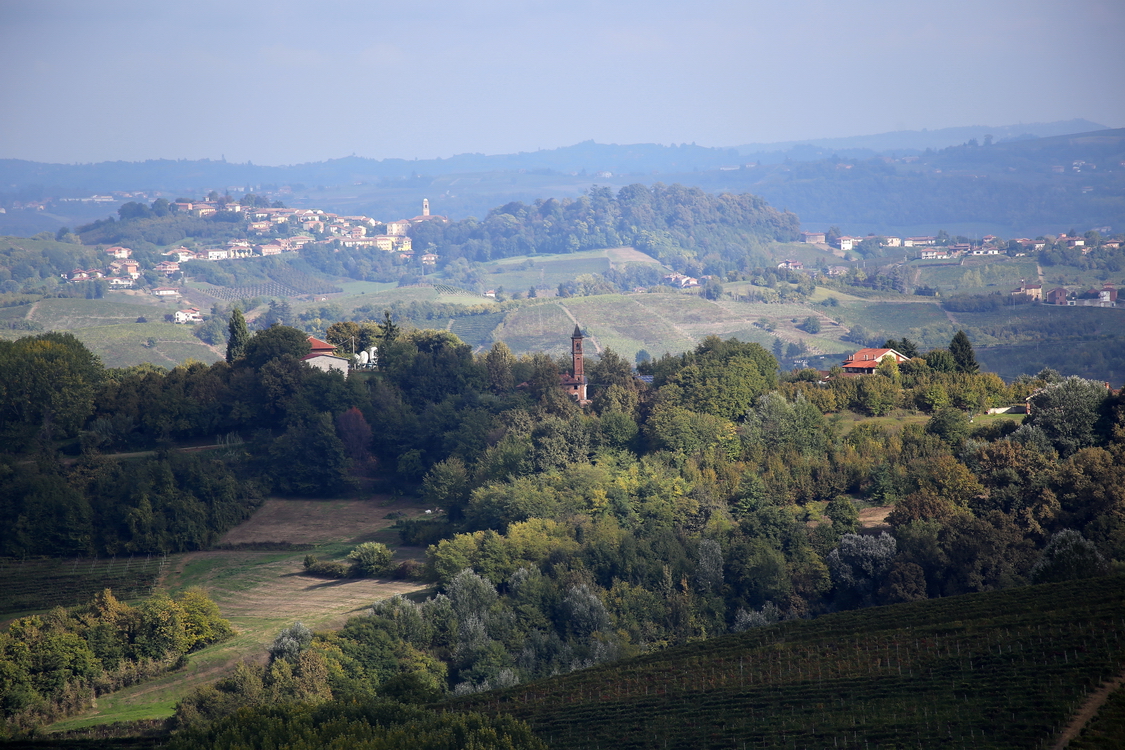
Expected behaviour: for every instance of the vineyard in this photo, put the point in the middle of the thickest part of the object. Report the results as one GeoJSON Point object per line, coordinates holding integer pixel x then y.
{"type": "Point", "coordinates": [476, 330]}
{"type": "Point", "coordinates": [284, 282]}
{"type": "Point", "coordinates": [996, 670]}
{"type": "Point", "coordinates": [41, 584]}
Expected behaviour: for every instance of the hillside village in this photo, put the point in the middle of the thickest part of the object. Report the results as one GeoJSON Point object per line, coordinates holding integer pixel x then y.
{"type": "Point", "coordinates": [268, 231]}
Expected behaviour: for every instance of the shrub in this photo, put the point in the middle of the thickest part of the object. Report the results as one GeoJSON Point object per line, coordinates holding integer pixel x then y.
{"type": "Point", "coordinates": [369, 559]}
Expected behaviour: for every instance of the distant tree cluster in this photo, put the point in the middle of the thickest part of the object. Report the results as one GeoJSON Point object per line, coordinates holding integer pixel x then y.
{"type": "Point", "coordinates": [55, 664]}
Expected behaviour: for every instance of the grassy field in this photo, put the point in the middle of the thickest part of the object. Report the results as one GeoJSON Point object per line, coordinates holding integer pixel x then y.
{"type": "Point", "coordinates": [1002, 669]}
{"type": "Point", "coordinates": [975, 275]}
{"type": "Point", "coordinates": [261, 592]}
{"type": "Point", "coordinates": [923, 322]}
{"type": "Point", "coordinates": [128, 344]}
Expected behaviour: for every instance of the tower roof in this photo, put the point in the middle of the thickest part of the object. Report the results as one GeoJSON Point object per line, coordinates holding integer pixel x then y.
{"type": "Point", "coordinates": [577, 332]}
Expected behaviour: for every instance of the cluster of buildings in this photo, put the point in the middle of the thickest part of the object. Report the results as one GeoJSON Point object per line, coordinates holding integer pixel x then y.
{"type": "Point", "coordinates": [1092, 297]}
{"type": "Point", "coordinates": [122, 271]}
{"type": "Point", "coordinates": [929, 248]}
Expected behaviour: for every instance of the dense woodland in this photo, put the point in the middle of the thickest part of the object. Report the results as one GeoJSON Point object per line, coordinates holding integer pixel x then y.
{"type": "Point", "coordinates": [723, 496]}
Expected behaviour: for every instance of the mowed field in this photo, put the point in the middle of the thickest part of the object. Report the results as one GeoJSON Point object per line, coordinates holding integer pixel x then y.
{"type": "Point", "coordinates": [261, 592]}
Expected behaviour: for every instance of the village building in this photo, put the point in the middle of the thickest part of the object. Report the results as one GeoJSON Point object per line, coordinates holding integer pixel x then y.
{"type": "Point", "coordinates": [166, 291]}
{"type": "Point", "coordinates": [120, 253]}
{"type": "Point", "coordinates": [813, 238]}
{"type": "Point", "coordinates": [327, 363]}
{"type": "Point", "coordinates": [866, 361]}
{"type": "Point", "coordinates": [792, 265]}
{"type": "Point", "coordinates": [1033, 291]}
{"type": "Point", "coordinates": [1057, 296]}
{"type": "Point", "coordinates": [187, 315]}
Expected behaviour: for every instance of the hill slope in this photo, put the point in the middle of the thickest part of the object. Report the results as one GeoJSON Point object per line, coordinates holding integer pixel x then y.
{"type": "Point", "coordinates": [999, 670]}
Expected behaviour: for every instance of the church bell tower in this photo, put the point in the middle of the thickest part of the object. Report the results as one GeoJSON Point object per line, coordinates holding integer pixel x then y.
{"type": "Point", "coordinates": [577, 364]}
{"type": "Point", "coordinates": [425, 206]}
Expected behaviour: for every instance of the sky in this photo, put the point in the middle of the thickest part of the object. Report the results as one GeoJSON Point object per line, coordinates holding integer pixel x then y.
{"type": "Point", "coordinates": [289, 81]}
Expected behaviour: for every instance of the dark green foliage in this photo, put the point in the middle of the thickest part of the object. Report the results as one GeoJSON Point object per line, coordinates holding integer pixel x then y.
{"type": "Point", "coordinates": [670, 222]}
{"type": "Point", "coordinates": [368, 724]}
{"type": "Point", "coordinates": [951, 425]}
{"type": "Point", "coordinates": [275, 342]}
{"type": "Point", "coordinates": [176, 504]}
{"type": "Point", "coordinates": [811, 324]}
{"type": "Point", "coordinates": [1071, 413]}
{"type": "Point", "coordinates": [239, 338]}
{"type": "Point", "coordinates": [47, 387]}
{"type": "Point", "coordinates": [962, 351]}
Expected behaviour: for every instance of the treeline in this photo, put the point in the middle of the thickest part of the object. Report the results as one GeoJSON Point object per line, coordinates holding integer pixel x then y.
{"type": "Point", "coordinates": [674, 223]}
{"type": "Point", "coordinates": [366, 724]}
{"type": "Point", "coordinates": [56, 664]}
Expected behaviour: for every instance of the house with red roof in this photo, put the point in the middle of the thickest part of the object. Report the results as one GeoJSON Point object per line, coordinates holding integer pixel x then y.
{"type": "Point", "coordinates": [317, 346]}
{"type": "Point", "coordinates": [866, 361]}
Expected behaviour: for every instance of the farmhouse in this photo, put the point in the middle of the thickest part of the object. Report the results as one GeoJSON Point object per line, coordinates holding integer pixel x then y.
{"type": "Point", "coordinates": [1057, 296]}
{"type": "Point", "coordinates": [327, 362]}
{"type": "Point", "coordinates": [813, 238]}
{"type": "Point", "coordinates": [188, 315]}
{"type": "Point", "coordinates": [1034, 291]}
{"type": "Point", "coordinates": [865, 361]}
{"type": "Point", "coordinates": [166, 291]}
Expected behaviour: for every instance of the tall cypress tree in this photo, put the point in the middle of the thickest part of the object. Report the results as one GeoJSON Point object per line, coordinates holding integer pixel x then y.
{"type": "Point", "coordinates": [962, 352]}
{"type": "Point", "coordinates": [239, 336]}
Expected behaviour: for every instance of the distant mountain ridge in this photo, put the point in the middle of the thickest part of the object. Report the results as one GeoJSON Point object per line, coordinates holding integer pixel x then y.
{"type": "Point", "coordinates": [588, 159]}
{"type": "Point", "coordinates": [920, 140]}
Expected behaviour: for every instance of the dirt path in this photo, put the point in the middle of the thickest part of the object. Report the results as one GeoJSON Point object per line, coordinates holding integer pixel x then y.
{"type": "Point", "coordinates": [1089, 709]}
{"type": "Point", "coordinates": [569, 314]}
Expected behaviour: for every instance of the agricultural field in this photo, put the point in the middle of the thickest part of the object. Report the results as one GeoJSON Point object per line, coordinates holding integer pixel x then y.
{"type": "Point", "coordinates": [1005, 669]}
{"type": "Point", "coordinates": [976, 276]}
{"type": "Point", "coordinates": [263, 591]}
{"type": "Point", "coordinates": [37, 585]}
{"type": "Point", "coordinates": [163, 344]}
{"type": "Point", "coordinates": [658, 323]}
{"type": "Point", "coordinates": [923, 321]}
{"type": "Point", "coordinates": [67, 314]}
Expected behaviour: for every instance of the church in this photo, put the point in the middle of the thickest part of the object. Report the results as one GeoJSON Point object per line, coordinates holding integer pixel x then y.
{"type": "Point", "coordinates": [574, 382]}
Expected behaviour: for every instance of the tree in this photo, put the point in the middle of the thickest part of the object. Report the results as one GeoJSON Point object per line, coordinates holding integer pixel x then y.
{"type": "Point", "coordinates": [940, 360]}
{"type": "Point", "coordinates": [1069, 412]}
{"type": "Point", "coordinates": [949, 424]}
{"type": "Point", "coordinates": [275, 342]}
{"type": "Point", "coordinates": [370, 559]}
{"type": "Point", "coordinates": [498, 362]}
{"type": "Point", "coordinates": [811, 324]}
{"type": "Point", "coordinates": [388, 330]}
{"type": "Point", "coordinates": [905, 347]}
{"type": "Point", "coordinates": [1068, 556]}
{"type": "Point", "coordinates": [962, 351]}
{"type": "Point", "coordinates": [239, 336]}
{"type": "Point", "coordinates": [345, 335]}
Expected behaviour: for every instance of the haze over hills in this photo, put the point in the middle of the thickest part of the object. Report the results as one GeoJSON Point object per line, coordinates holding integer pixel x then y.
{"type": "Point", "coordinates": [912, 140]}
{"type": "Point", "coordinates": [1011, 184]}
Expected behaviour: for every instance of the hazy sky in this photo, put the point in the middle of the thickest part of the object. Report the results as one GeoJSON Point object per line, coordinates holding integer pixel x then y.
{"type": "Point", "coordinates": [288, 81]}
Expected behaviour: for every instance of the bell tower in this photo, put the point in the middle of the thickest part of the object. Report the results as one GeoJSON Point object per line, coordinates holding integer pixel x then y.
{"type": "Point", "coordinates": [577, 363]}
{"type": "Point", "coordinates": [425, 206]}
